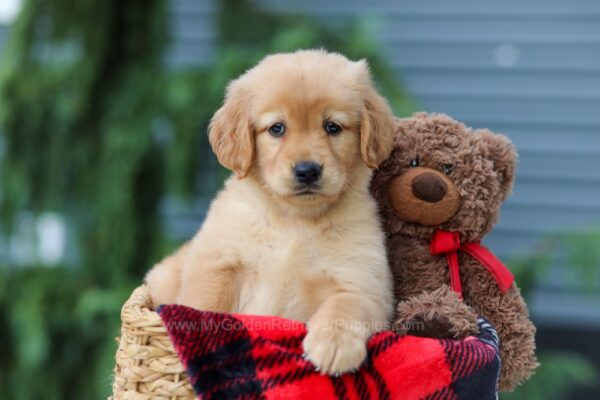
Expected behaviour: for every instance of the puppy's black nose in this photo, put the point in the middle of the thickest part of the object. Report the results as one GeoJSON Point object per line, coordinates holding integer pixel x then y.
{"type": "Point", "coordinates": [307, 172]}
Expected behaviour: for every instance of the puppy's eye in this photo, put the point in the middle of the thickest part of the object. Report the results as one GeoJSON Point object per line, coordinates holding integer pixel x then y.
{"type": "Point", "coordinates": [277, 130]}
{"type": "Point", "coordinates": [332, 128]}
{"type": "Point", "coordinates": [448, 168]}
{"type": "Point", "coordinates": [415, 162]}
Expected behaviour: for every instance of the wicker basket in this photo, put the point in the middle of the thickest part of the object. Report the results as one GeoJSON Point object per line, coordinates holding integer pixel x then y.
{"type": "Point", "coordinates": [147, 366]}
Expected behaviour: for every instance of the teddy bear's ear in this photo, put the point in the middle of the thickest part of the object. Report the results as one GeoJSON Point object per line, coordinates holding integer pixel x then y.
{"type": "Point", "coordinates": [407, 128]}
{"type": "Point", "coordinates": [503, 153]}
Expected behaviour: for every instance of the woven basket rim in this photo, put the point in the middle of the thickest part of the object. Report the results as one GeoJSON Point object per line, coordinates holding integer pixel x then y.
{"type": "Point", "coordinates": [147, 366]}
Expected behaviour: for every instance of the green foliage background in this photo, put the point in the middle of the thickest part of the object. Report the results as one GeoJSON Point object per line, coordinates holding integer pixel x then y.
{"type": "Point", "coordinates": [98, 129]}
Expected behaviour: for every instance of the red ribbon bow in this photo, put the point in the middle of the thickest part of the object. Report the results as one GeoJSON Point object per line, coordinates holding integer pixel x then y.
{"type": "Point", "coordinates": [448, 243]}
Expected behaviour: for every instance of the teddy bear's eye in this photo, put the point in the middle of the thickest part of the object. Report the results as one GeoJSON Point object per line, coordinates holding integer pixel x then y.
{"type": "Point", "coordinates": [415, 162]}
{"type": "Point", "coordinates": [448, 168]}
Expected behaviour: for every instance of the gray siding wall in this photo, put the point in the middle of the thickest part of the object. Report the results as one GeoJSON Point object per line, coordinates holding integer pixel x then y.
{"type": "Point", "coordinates": [192, 30]}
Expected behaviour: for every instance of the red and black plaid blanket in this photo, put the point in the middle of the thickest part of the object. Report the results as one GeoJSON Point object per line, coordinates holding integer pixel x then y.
{"type": "Point", "coordinates": [255, 357]}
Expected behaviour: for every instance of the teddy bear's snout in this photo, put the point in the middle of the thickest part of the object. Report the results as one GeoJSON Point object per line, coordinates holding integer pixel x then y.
{"type": "Point", "coordinates": [429, 187]}
{"type": "Point", "coordinates": [424, 195]}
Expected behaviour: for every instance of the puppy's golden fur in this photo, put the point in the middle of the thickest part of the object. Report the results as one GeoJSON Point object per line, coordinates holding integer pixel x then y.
{"type": "Point", "coordinates": [268, 246]}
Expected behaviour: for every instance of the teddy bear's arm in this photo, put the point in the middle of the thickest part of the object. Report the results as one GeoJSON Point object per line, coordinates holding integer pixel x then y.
{"type": "Point", "coordinates": [509, 315]}
{"type": "Point", "coordinates": [438, 313]}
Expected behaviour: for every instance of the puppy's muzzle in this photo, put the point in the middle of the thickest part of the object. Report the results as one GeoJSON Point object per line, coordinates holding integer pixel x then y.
{"type": "Point", "coordinates": [307, 172]}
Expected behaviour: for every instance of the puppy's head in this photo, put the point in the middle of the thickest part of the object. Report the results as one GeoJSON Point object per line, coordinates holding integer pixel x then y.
{"type": "Point", "coordinates": [304, 124]}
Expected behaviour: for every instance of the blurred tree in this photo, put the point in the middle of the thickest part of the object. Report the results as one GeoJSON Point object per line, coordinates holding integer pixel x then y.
{"type": "Point", "coordinates": [79, 89]}
{"type": "Point", "coordinates": [79, 85]}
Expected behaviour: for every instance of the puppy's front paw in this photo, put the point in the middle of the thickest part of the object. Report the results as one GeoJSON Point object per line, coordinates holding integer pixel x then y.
{"type": "Point", "coordinates": [334, 350]}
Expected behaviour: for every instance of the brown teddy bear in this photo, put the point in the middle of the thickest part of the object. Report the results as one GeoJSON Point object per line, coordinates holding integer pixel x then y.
{"type": "Point", "coordinates": [440, 193]}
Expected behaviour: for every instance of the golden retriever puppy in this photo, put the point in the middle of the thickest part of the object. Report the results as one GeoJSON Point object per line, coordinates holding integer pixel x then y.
{"type": "Point", "coordinates": [295, 232]}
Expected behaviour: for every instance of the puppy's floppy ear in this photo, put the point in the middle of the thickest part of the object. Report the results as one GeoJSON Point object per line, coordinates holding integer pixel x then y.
{"type": "Point", "coordinates": [377, 122]}
{"type": "Point", "coordinates": [230, 132]}
{"type": "Point", "coordinates": [503, 153]}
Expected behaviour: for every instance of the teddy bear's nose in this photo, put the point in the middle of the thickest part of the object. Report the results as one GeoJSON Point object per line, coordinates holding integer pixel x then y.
{"type": "Point", "coordinates": [429, 187]}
